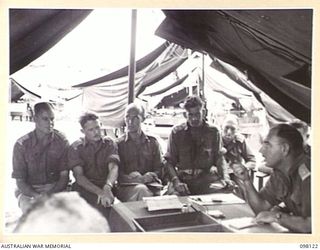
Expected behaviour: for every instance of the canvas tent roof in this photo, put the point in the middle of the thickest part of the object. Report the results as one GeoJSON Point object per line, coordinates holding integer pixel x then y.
{"type": "Point", "coordinates": [273, 47]}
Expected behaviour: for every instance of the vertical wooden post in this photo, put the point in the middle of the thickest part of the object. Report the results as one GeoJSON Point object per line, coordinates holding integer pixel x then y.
{"type": "Point", "coordinates": [132, 64]}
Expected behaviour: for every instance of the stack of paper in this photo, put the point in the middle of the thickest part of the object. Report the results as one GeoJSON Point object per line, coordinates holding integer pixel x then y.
{"type": "Point", "coordinates": [163, 202]}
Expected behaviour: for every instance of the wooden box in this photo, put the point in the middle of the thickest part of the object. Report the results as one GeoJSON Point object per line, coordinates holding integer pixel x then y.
{"type": "Point", "coordinates": [178, 222]}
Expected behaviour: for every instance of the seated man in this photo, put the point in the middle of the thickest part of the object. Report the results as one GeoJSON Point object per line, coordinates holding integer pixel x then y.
{"type": "Point", "coordinates": [235, 144]}
{"type": "Point", "coordinates": [94, 161]}
{"type": "Point", "coordinates": [289, 183]}
{"type": "Point", "coordinates": [303, 129]}
{"type": "Point", "coordinates": [39, 159]}
{"type": "Point", "coordinates": [193, 158]}
{"type": "Point", "coordinates": [140, 159]}
{"type": "Point", "coordinates": [65, 212]}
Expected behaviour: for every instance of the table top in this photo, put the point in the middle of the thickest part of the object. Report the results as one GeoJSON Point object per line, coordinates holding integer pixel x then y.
{"type": "Point", "coordinates": [122, 216]}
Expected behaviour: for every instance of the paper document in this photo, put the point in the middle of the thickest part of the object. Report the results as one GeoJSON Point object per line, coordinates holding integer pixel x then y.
{"type": "Point", "coordinates": [163, 202]}
{"type": "Point", "coordinates": [247, 224]}
{"type": "Point", "coordinates": [216, 198]}
{"type": "Point", "coordinates": [241, 223]}
{"type": "Point", "coordinates": [150, 184]}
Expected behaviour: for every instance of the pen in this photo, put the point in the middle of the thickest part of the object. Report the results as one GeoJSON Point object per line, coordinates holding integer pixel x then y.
{"type": "Point", "coordinates": [216, 200]}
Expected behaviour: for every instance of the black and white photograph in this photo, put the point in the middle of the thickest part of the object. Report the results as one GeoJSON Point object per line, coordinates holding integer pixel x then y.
{"type": "Point", "coordinates": [161, 121]}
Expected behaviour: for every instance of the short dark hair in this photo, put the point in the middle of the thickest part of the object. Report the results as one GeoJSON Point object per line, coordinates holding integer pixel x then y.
{"type": "Point", "coordinates": [87, 116]}
{"type": "Point", "coordinates": [290, 135]}
{"type": "Point", "coordinates": [192, 101]}
{"type": "Point", "coordinates": [42, 106]}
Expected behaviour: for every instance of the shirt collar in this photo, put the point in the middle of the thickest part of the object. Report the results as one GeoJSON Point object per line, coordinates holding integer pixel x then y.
{"type": "Point", "coordinates": [204, 124]}
{"type": "Point", "coordinates": [86, 142]}
{"type": "Point", "coordinates": [143, 137]}
{"type": "Point", "coordinates": [34, 138]}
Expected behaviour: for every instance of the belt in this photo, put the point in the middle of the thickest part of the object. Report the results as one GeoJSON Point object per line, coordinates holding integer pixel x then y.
{"type": "Point", "coordinates": [191, 172]}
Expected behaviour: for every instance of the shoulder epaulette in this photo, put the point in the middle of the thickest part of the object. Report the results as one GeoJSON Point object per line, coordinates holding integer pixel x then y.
{"type": "Point", "coordinates": [239, 137]}
{"type": "Point", "coordinates": [304, 172]}
{"type": "Point", "coordinates": [23, 138]}
{"type": "Point", "coordinates": [77, 143]}
{"type": "Point", "coordinates": [60, 134]}
{"type": "Point", "coordinates": [108, 139]}
{"type": "Point", "coordinates": [179, 127]}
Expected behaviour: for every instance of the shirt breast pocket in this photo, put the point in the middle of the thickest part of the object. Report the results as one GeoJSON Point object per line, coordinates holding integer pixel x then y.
{"type": "Point", "coordinates": [185, 156]}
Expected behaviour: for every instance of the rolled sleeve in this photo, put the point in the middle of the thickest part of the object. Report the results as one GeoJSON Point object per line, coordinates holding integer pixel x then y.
{"type": "Point", "coordinates": [157, 159]}
{"type": "Point", "coordinates": [171, 155]}
{"type": "Point", "coordinates": [73, 158]}
{"type": "Point", "coordinates": [64, 157]}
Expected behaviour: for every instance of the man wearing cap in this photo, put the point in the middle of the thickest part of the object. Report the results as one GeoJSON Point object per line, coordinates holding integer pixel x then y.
{"type": "Point", "coordinates": [236, 148]}
{"type": "Point", "coordinates": [39, 159]}
{"type": "Point", "coordinates": [289, 183]}
{"type": "Point", "coordinates": [94, 161]}
{"type": "Point", "coordinates": [140, 159]}
{"type": "Point", "coordinates": [193, 158]}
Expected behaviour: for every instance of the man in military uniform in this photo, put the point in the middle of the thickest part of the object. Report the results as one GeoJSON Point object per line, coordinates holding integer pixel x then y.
{"type": "Point", "coordinates": [140, 159]}
{"type": "Point", "coordinates": [236, 148]}
{"type": "Point", "coordinates": [39, 159]}
{"type": "Point", "coordinates": [193, 158]}
{"type": "Point", "coordinates": [94, 161]}
{"type": "Point", "coordinates": [289, 183]}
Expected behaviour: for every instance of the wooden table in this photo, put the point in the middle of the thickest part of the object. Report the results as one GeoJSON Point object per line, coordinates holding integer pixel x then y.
{"type": "Point", "coordinates": [122, 216]}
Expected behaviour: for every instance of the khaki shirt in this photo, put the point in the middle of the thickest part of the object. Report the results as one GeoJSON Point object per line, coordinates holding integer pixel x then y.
{"type": "Point", "coordinates": [238, 149]}
{"type": "Point", "coordinates": [294, 190]}
{"type": "Point", "coordinates": [143, 157]}
{"type": "Point", "coordinates": [201, 150]}
{"type": "Point", "coordinates": [93, 158]}
{"type": "Point", "coordinates": [39, 164]}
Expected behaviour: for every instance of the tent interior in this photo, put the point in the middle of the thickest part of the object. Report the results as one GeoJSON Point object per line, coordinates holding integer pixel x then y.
{"type": "Point", "coordinates": [261, 54]}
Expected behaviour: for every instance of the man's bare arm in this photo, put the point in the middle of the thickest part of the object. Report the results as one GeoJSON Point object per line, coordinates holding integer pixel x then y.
{"type": "Point", "coordinates": [84, 182]}
{"type": "Point", "coordinates": [26, 188]}
{"type": "Point", "coordinates": [62, 183]}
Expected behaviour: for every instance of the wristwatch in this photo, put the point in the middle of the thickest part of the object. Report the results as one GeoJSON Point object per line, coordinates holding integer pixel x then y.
{"type": "Point", "coordinates": [278, 216]}
{"type": "Point", "coordinates": [108, 183]}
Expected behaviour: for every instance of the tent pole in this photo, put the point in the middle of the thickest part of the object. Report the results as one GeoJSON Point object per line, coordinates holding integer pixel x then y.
{"type": "Point", "coordinates": [202, 80]}
{"type": "Point", "coordinates": [132, 64]}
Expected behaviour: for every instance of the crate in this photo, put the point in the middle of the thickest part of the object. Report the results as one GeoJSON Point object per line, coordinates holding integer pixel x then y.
{"type": "Point", "coordinates": [178, 222]}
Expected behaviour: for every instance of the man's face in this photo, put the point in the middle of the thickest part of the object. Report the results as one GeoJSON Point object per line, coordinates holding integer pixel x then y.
{"type": "Point", "coordinates": [194, 116]}
{"type": "Point", "coordinates": [92, 131]}
{"type": "Point", "coordinates": [44, 121]}
{"type": "Point", "coordinates": [133, 120]}
{"type": "Point", "coordinates": [271, 150]}
{"type": "Point", "coordinates": [229, 131]}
